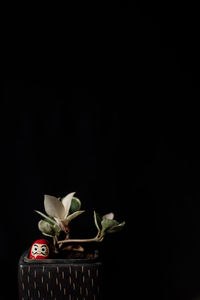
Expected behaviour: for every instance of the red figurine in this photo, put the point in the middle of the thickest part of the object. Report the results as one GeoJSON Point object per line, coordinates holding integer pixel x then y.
{"type": "Point", "coordinates": [39, 250]}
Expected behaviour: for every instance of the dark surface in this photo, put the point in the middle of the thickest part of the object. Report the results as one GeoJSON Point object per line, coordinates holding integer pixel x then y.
{"type": "Point", "coordinates": [128, 143]}
{"type": "Point", "coordinates": [60, 140]}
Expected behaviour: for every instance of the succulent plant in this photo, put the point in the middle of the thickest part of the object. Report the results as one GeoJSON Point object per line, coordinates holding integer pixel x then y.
{"type": "Point", "coordinates": [107, 224]}
{"type": "Point", "coordinates": [61, 211]}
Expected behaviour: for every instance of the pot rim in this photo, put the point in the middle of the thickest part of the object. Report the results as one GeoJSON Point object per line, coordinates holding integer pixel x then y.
{"type": "Point", "coordinates": [59, 260]}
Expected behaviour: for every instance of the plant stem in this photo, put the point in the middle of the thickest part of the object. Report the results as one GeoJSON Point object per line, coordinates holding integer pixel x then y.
{"type": "Point", "coordinates": [95, 239]}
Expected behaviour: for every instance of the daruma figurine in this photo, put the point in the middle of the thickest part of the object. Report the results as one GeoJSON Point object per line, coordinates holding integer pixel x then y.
{"type": "Point", "coordinates": [40, 250]}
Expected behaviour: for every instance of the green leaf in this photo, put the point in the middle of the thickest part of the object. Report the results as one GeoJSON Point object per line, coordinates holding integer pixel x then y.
{"type": "Point", "coordinates": [46, 217]}
{"type": "Point", "coordinates": [56, 229]}
{"type": "Point", "coordinates": [106, 224]}
{"type": "Point", "coordinates": [47, 220]}
{"type": "Point", "coordinates": [46, 228]}
{"type": "Point", "coordinates": [75, 205]}
{"type": "Point", "coordinates": [97, 221]}
{"type": "Point", "coordinates": [116, 228]}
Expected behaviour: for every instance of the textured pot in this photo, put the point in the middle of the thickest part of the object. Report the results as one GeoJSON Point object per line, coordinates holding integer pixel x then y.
{"type": "Point", "coordinates": [59, 279]}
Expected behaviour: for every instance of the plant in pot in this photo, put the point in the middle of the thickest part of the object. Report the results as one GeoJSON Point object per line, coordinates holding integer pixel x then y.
{"type": "Point", "coordinates": [60, 267]}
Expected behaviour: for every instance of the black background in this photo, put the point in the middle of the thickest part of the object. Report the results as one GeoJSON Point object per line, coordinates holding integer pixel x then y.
{"type": "Point", "coordinates": [126, 141]}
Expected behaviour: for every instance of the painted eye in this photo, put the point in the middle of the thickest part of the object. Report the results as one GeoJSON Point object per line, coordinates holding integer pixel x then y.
{"type": "Point", "coordinates": [43, 249]}
{"type": "Point", "coordinates": [35, 248]}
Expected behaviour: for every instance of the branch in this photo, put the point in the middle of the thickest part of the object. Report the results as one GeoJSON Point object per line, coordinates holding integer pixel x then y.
{"type": "Point", "coordinates": [95, 239]}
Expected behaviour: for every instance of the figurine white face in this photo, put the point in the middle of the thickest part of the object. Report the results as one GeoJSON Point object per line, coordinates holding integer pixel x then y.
{"type": "Point", "coordinates": [39, 250]}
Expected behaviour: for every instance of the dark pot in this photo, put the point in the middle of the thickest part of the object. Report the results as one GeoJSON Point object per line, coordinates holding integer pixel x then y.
{"type": "Point", "coordinates": [59, 279]}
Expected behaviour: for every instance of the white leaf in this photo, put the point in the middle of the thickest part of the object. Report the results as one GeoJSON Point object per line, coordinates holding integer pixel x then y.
{"type": "Point", "coordinates": [109, 216]}
{"type": "Point", "coordinates": [72, 216]}
{"type": "Point", "coordinates": [66, 201]}
{"type": "Point", "coordinates": [43, 215]}
{"type": "Point", "coordinates": [54, 207]}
